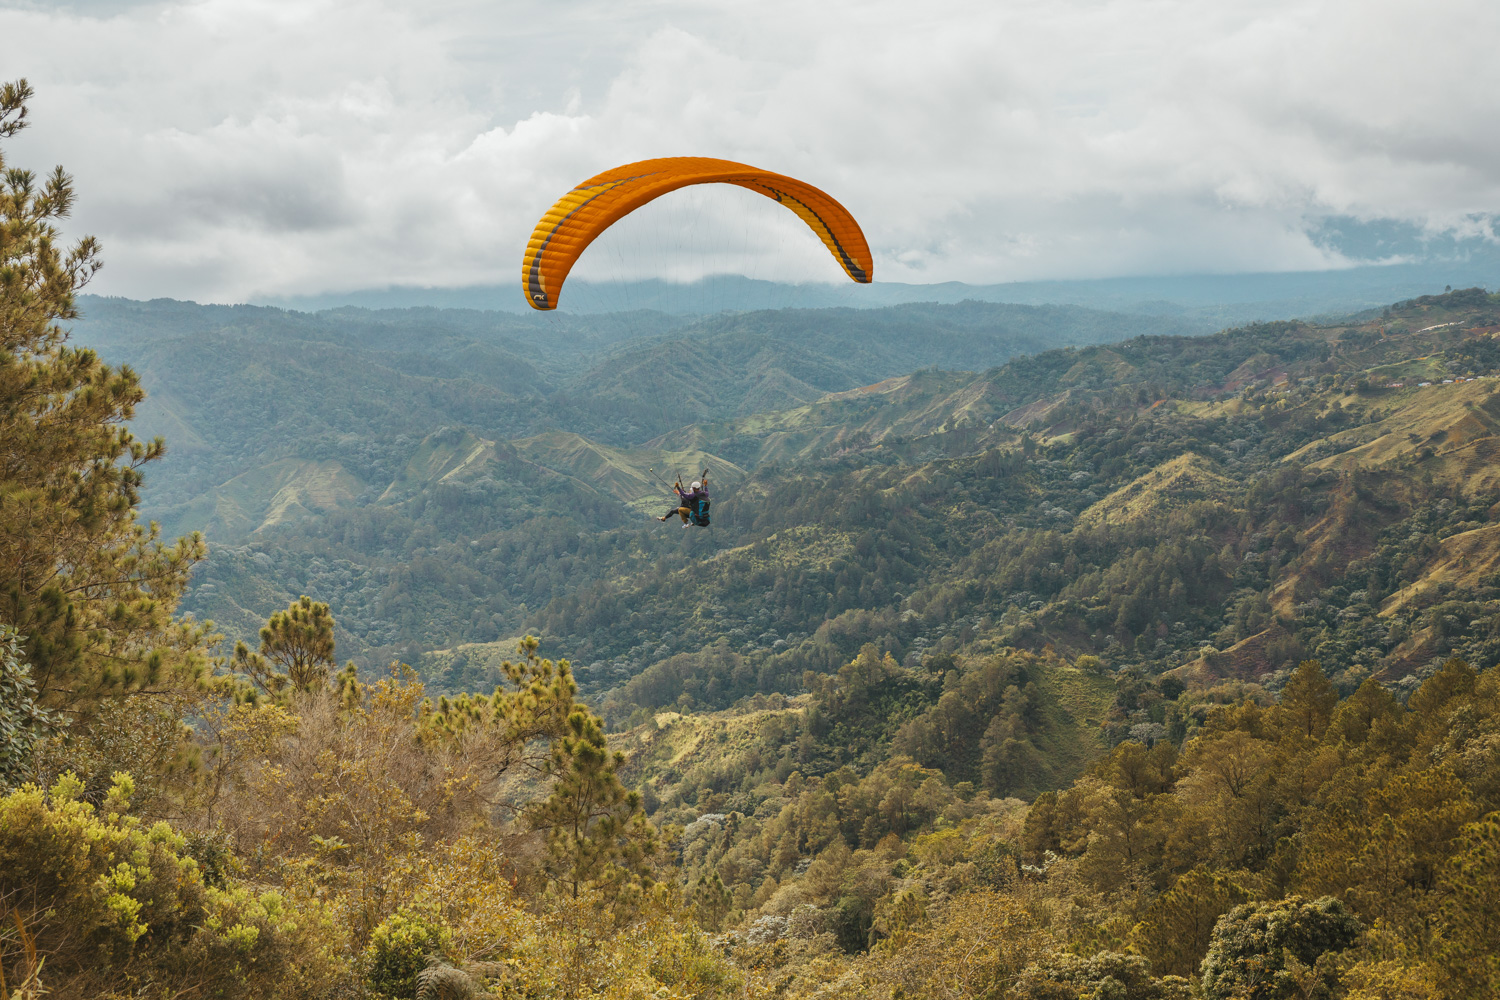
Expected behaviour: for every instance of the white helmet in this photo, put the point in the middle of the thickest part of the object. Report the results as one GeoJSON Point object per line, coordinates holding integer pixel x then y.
{"type": "Point", "coordinates": [697, 486]}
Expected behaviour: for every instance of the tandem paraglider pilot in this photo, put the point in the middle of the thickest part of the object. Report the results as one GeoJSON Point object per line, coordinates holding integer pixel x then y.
{"type": "Point", "coordinates": [692, 503]}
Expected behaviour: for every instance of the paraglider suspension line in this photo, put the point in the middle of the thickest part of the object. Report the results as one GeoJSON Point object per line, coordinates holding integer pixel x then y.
{"type": "Point", "coordinates": [662, 482]}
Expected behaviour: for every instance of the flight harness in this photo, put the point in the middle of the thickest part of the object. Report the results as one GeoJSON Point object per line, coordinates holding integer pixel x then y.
{"type": "Point", "coordinates": [699, 514]}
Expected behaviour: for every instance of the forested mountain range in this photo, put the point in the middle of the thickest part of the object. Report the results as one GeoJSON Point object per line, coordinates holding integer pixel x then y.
{"type": "Point", "coordinates": [1125, 500]}
{"type": "Point", "coordinates": [1158, 667]}
{"type": "Point", "coordinates": [1412, 263]}
{"type": "Point", "coordinates": [1156, 643]}
{"type": "Point", "coordinates": [413, 435]}
{"type": "Point", "coordinates": [1217, 507]}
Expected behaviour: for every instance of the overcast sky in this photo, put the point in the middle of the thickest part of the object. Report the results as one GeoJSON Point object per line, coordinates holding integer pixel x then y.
{"type": "Point", "coordinates": [230, 149]}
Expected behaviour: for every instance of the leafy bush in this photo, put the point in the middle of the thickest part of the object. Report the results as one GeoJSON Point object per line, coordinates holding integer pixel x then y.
{"type": "Point", "coordinates": [1268, 951]}
{"type": "Point", "coordinates": [111, 901]}
{"type": "Point", "coordinates": [400, 948]}
{"type": "Point", "coordinates": [1107, 974]}
{"type": "Point", "coordinates": [22, 720]}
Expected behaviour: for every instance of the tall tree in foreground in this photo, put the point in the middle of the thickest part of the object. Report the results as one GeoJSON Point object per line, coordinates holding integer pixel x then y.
{"type": "Point", "coordinates": [90, 590]}
{"type": "Point", "coordinates": [596, 829]}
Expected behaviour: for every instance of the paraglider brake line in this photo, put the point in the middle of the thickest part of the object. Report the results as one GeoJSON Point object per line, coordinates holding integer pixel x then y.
{"type": "Point", "coordinates": [659, 479]}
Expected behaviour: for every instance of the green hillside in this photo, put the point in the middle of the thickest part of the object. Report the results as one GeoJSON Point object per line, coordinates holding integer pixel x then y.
{"type": "Point", "coordinates": [1096, 482]}
{"type": "Point", "coordinates": [1104, 522]}
{"type": "Point", "coordinates": [258, 403]}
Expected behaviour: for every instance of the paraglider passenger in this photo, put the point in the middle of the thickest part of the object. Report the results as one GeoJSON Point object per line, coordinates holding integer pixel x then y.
{"type": "Point", "coordinates": [688, 499]}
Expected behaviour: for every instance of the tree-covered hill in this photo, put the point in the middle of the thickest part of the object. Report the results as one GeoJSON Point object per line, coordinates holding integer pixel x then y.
{"type": "Point", "coordinates": [426, 359]}
{"type": "Point", "coordinates": [1192, 506]}
{"type": "Point", "coordinates": [1081, 578]}
{"type": "Point", "coordinates": [1131, 527]}
{"type": "Point", "coordinates": [295, 424]}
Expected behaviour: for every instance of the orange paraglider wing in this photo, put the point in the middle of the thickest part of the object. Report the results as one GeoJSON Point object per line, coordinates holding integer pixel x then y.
{"type": "Point", "coordinates": [599, 202]}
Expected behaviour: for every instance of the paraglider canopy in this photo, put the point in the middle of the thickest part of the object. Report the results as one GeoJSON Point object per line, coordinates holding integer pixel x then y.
{"type": "Point", "coordinates": [585, 212]}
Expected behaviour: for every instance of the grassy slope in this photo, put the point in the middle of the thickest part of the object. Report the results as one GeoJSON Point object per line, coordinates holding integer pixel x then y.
{"type": "Point", "coordinates": [1186, 479]}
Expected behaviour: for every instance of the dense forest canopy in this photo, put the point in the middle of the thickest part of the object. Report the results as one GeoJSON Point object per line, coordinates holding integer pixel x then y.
{"type": "Point", "coordinates": [1033, 652]}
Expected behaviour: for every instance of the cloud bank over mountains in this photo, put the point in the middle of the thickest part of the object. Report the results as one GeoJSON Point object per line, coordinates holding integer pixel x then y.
{"type": "Point", "coordinates": [229, 149]}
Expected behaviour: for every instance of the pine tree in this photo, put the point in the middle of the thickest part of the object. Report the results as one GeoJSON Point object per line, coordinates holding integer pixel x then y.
{"type": "Point", "coordinates": [296, 649]}
{"type": "Point", "coordinates": [1177, 927]}
{"type": "Point", "coordinates": [596, 829]}
{"type": "Point", "coordinates": [90, 589]}
{"type": "Point", "coordinates": [1307, 702]}
{"type": "Point", "coordinates": [711, 901]}
{"type": "Point", "coordinates": [1470, 944]}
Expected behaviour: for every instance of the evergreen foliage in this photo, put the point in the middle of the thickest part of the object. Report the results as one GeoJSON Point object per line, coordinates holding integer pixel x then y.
{"type": "Point", "coordinates": [90, 588]}
{"type": "Point", "coordinates": [296, 649]}
{"type": "Point", "coordinates": [1471, 910]}
{"type": "Point", "coordinates": [596, 829]}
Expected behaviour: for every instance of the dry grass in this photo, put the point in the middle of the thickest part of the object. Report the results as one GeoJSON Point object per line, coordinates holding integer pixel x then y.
{"type": "Point", "coordinates": [1184, 480]}
{"type": "Point", "coordinates": [1446, 429]}
{"type": "Point", "coordinates": [1462, 560]}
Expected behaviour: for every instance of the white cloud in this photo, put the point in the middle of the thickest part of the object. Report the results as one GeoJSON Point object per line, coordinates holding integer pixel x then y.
{"type": "Point", "coordinates": [231, 148]}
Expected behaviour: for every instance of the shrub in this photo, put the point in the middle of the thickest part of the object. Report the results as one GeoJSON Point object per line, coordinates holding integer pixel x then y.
{"type": "Point", "coordinates": [1108, 974]}
{"type": "Point", "coordinates": [1267, 951]}
{"type": "Point", "coordinates": [22, 720]}
{"type": "Point", "coordinates": [111, 902]}
{"type": "Point", "coordinates": [399, 949]}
